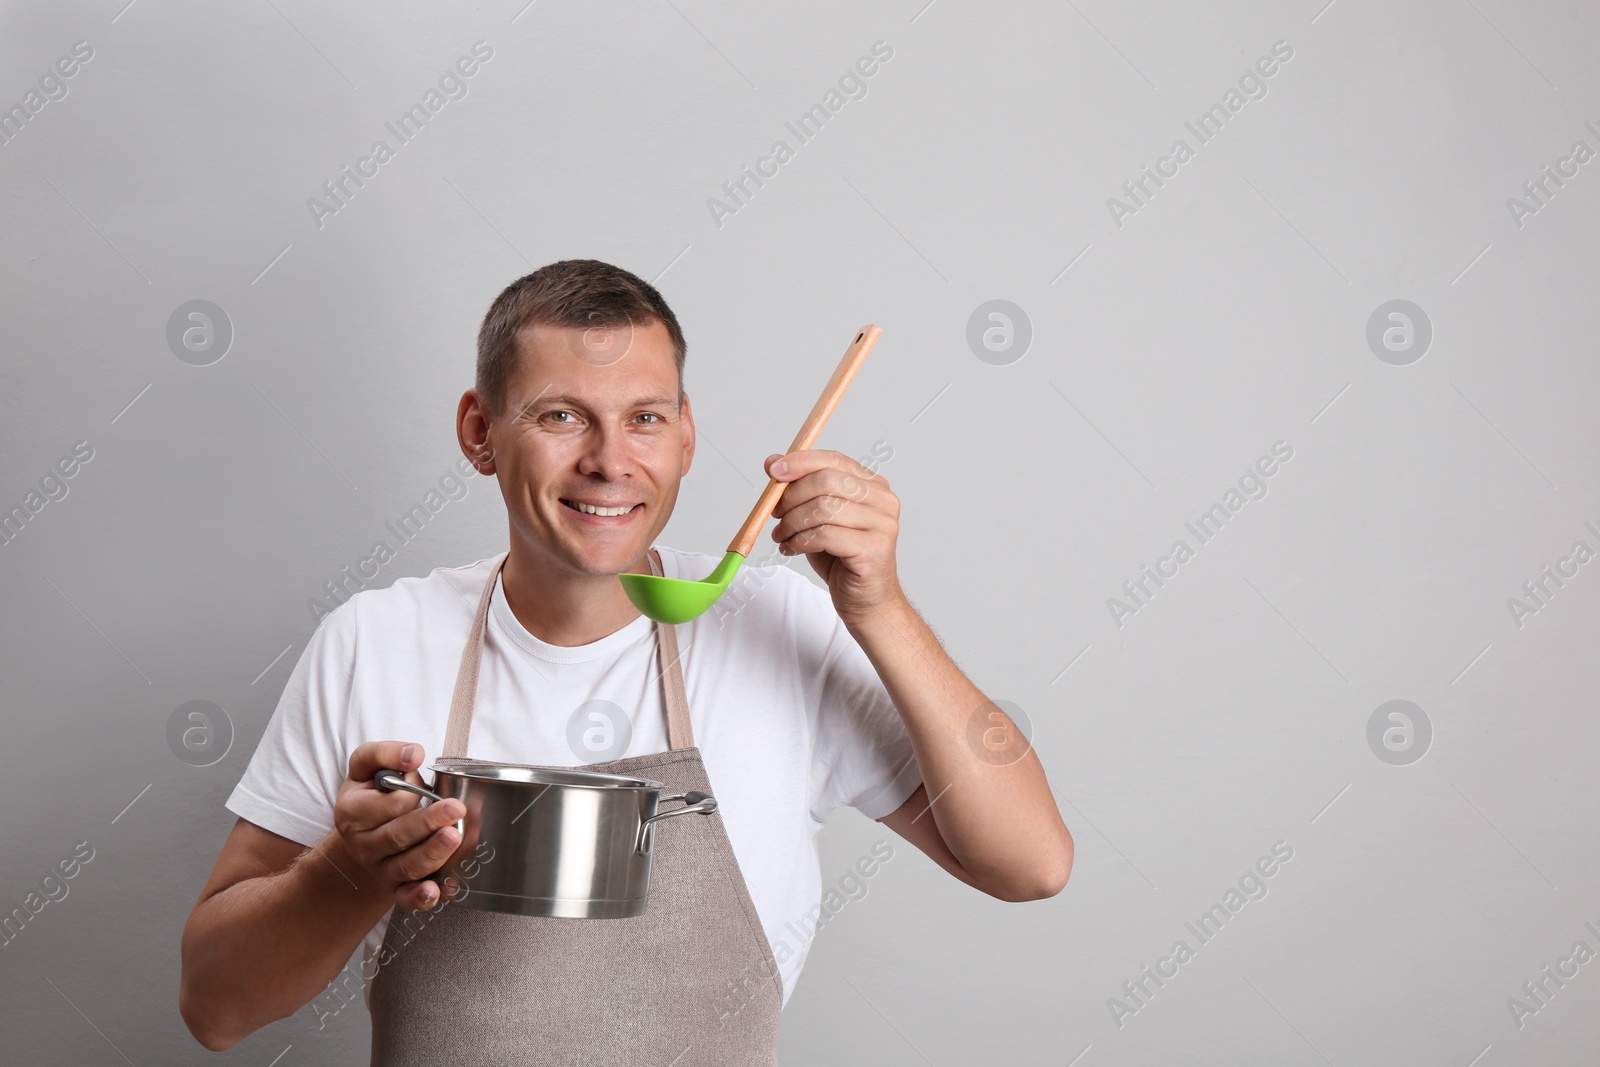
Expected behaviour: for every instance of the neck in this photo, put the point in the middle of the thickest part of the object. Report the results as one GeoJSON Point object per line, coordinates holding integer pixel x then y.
{"type": "Point", "coordinates": [561, 606]}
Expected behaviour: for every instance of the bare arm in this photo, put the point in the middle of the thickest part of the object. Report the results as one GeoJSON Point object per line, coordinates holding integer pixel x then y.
{"type": "Point", "coordinates": [274, 924]}
{"type": "Point", "coordinates": [993, 822]}
{"type": "Point", "coordinates": [277, 921]}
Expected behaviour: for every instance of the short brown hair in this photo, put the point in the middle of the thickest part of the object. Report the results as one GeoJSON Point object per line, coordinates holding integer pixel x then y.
{"type": "Point", "coordinates": [572, 292]}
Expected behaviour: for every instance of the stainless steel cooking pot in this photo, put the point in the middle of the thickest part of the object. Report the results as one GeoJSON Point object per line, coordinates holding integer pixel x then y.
{"type": "Point", "coordinates": [550, 841]}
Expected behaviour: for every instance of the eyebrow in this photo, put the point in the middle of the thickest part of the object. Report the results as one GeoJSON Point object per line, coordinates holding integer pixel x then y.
{"type": "Point", "coordinates": [564, 399]}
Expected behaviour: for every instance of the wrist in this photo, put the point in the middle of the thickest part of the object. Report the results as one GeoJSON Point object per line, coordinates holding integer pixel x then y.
{"type": "Point", "coordinates": [892, 613]}
{"type": "Point", "coordinates": [333, 871]}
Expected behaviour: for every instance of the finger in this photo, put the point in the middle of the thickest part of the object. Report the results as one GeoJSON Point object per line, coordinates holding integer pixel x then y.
{"type": "Point", "coordinates": [373, 756]}
{"type": "Point", "coordinates": [836, 541]}
{"type": "Point", "coordinates": [364, 807]}
{"type": "Point", "coordinates": [368, 805]}
{"type": "Point", "coordinates": [417, 896]}
{"type": "Point", "coordinates": [830, 512]}
{"type": "Point", "coordinates": [831, 481]}
{"type": "Point", "coordinates": [799, 463]}
{"type": "Point", "coordinates": [424, 858]}
{"type": "Point", "coordinates": [413, 827]}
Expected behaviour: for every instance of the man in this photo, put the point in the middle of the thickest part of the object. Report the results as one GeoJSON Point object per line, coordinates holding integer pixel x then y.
{"type": "Point", "coordinates": [791, 706]}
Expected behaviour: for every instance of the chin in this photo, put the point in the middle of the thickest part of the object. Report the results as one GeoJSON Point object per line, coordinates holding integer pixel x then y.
{"type": "Point", "coordinates": [607, 560]}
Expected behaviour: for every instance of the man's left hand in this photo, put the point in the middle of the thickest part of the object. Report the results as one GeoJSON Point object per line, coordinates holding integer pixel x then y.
{"type": "Point", "coordinates": [846, 521]}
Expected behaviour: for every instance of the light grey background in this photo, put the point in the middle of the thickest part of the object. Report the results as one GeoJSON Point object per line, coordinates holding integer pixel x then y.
{"type": "Point", "coordinates": [1230, 312]}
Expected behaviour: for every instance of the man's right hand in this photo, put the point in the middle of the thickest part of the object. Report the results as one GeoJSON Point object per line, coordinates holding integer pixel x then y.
{"type": "Point", "coordinates": [397, 839]}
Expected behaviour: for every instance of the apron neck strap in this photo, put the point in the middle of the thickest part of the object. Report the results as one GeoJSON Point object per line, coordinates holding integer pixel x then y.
{"type": "Point", "coordinates": [680, 733]}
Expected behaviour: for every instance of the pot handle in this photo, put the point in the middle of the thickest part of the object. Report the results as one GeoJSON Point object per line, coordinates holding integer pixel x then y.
{"type": "Point", "coordinates": [694, 803]}
{"type": "Point", "coordinates": [392, 780]}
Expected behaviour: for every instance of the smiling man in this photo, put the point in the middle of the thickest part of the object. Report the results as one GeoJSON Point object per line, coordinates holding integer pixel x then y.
{"type": "Point", "coordinates": [801, 702]}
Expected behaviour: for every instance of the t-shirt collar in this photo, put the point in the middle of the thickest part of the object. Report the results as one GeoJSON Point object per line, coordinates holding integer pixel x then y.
{"type": "Point", "coordinates": [511, 627]}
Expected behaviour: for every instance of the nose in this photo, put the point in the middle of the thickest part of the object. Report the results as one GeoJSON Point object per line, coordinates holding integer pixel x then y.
{"type": "Point", "coordinates": [608, 452]}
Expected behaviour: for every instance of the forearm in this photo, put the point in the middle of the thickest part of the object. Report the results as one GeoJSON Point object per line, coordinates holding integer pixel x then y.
{"type": "Point", "coordinates": [261, 949]}
{"type": "Point", "coordinates": [989, 796]}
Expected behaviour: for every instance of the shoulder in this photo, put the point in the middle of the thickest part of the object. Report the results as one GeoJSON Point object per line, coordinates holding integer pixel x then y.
{"type": "Point", "coordinates": [403, 604]}
{"type": "Point", "coordinates": [441, 582]}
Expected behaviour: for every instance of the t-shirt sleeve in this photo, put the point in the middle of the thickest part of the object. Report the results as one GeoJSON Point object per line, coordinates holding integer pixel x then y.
{"type": "Point", "coordinates": [861, 752]}
{"type": "Point", "coordinates": [294, 776]}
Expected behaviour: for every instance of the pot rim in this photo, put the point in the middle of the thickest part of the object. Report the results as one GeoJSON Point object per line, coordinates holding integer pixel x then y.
{"type": "Point", "coordinates": [514, 774]}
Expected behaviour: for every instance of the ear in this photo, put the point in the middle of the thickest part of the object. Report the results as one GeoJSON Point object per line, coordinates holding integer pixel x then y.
{"type": "Point", "coordinates": [688, 434]}
{"type": "Point", "coordinates": [472, 432]}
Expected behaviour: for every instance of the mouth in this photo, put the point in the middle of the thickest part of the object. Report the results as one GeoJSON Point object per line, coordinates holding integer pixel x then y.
{"type": "Point", "coordinates": [601, 512]}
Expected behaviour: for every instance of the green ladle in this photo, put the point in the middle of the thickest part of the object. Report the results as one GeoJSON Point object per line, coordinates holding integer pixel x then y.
{"type": "Point", "coordinates": [675, 600]}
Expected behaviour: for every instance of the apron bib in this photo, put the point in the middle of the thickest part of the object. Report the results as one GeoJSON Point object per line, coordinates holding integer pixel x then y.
{"type": "Point", "coordinates": [690, 982]}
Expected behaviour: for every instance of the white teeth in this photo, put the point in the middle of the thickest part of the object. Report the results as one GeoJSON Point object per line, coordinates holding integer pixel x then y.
{"type": "Point", "coordinates": [592, 510]}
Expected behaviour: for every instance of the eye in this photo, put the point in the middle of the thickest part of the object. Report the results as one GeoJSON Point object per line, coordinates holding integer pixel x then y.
{"type": "Point", "coordinates": [650, 415]}
{"type": "Point", "coordinates": [553, 414]}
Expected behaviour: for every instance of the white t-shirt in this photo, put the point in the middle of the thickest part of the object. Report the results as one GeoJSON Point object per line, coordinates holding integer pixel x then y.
{"type": "Point", "coordinates": [790, 717]}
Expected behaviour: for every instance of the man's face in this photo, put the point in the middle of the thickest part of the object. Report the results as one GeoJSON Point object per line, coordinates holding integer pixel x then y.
{"type": "Point", "coordinates": [592, 419]}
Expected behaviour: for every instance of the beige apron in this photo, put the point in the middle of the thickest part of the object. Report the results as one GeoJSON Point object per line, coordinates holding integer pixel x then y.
{"type": "Point", "coordinates": [690, 982]}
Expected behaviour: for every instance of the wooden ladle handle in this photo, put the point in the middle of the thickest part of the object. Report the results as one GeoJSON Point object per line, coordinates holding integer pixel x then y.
{"type": "Point", "coordinates": [854, 356]}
